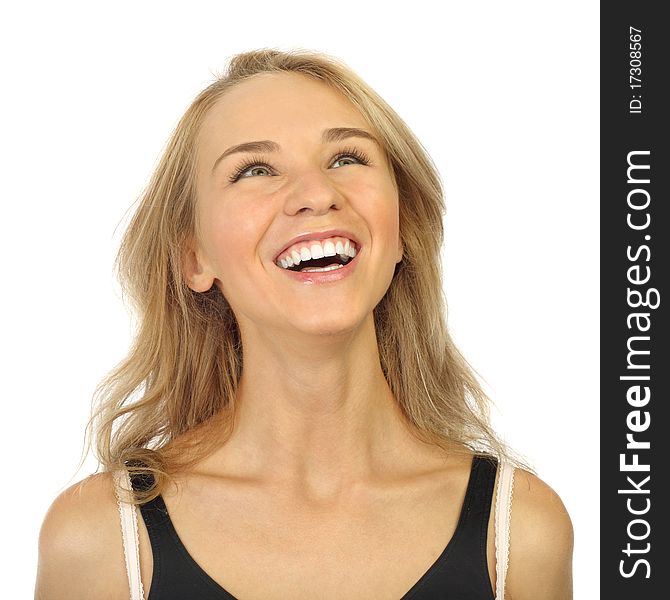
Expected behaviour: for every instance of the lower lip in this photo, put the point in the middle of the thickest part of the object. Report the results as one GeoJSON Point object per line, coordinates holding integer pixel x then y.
{"type": "Point", "coordinates": [324, 276]}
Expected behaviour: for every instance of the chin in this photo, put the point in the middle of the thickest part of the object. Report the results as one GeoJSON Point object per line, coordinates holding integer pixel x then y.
{"type": "Point", "coordinates": [322, 324]}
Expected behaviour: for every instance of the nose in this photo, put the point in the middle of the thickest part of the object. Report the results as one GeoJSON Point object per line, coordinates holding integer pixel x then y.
{"type": "Point", "coordinates": [312, 192]}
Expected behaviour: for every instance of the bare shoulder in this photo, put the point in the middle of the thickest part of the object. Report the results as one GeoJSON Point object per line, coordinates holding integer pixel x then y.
{"type": "Point", "coordinates": [541, 542]}
{"type": "Point", "coordinates": [80, 545]}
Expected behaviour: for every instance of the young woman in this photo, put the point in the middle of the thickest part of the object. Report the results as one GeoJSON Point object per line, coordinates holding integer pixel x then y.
{"type": "Point", "coordinates": [294, 415]}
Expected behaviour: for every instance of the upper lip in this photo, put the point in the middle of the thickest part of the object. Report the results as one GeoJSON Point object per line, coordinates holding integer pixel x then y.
{"type": "Point", "coordinates": [318, 235]}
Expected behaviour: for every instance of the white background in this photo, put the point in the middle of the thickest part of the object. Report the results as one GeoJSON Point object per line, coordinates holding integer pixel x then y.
{"type": "Point", "coordinates": [503, 95]}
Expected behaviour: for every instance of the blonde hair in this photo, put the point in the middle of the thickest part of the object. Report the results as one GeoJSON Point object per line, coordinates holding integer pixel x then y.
{"type": "Point", "coordinates": [180, 377]}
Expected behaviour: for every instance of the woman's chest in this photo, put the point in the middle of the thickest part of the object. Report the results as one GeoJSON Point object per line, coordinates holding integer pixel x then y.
{"type": "Point", "coordinates": [259, 547]}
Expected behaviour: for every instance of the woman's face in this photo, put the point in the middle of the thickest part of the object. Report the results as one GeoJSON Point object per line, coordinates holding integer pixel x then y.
{"type": "Point", "coordinates": [252, 203]}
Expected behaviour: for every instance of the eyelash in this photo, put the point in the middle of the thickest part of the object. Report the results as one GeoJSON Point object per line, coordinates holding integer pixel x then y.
{"type": "Point", "coordinates": [258, 162]}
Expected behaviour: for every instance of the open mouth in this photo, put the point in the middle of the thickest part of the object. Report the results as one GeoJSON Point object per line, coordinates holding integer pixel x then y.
{"type": "Point", "coordinates": [321, 265]}
{"type": "Point", "coordinates": [316, 259]}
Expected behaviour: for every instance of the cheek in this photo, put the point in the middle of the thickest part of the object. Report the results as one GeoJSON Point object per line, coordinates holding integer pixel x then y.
{"type": "Point", "coordinates": [231, 237]}
{"type": "Point", "coordinates": [381, 211]}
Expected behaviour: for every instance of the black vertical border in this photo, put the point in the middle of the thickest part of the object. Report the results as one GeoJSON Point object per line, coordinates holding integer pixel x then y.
{"type": "Point", "coordinates": [622, 133]}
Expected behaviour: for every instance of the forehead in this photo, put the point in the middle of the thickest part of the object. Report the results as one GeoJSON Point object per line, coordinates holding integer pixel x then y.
{"type": "Point", "coordinates": [273, 106]}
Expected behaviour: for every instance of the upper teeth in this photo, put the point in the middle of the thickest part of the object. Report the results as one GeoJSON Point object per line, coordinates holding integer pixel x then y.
{"type": "Point", "coordinates": [310, 249]}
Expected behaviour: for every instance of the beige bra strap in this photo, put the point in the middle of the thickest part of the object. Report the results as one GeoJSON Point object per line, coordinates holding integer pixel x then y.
{"type": "Point", "coordinates": [130, 533]}
{"type": "Point", "coordinates": [502, 522]}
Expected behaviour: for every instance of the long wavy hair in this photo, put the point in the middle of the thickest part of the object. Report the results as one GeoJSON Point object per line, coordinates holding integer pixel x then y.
{"type": "Point", "coordinates": [179, 380]}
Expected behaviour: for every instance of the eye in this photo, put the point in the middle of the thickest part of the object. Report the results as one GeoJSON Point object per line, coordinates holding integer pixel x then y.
{"type": "Point", "coordinates": [351, 159]}
{"type": "Point", "coordinates": [255, 167]}
{"type": "Point", "coordinates": [353, 156]}
{"type": "Point", "coordinates": [255, 171]}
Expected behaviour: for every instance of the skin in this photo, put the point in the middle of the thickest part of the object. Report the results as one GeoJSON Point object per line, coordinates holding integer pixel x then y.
{"type": "Point", "coordinates": [319, 441]}
{"type": "Point", "coordinates": [315, 406]}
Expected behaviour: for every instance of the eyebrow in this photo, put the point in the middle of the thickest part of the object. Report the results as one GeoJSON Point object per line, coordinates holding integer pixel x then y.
{"type": "Point", "coordinates": [334, 134]}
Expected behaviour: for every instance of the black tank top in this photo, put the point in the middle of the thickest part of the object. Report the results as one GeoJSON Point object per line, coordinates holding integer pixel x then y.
{"type": "Point", "coordinates": [459, 573]}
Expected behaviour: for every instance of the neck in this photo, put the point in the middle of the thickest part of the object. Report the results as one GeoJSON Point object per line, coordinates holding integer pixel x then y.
{"type": "Point", "coordinates": [318, 418]}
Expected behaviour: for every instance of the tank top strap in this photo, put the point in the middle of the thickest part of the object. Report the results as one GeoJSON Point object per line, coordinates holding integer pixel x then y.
{"type": "Point", "coordinates": [462, 569]}
{"type": "Point", "coordinates": [129, 533]}
{"type": "Point", "coordinates": [176, 575]}
{"type": "Point", "coordinates": [469, 555]}
{"type": "Point", "coordinates": [503, 514]}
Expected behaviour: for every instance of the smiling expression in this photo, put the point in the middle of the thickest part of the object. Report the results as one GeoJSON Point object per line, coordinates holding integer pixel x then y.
{"type": "Point", "coordinates": [281, 155]}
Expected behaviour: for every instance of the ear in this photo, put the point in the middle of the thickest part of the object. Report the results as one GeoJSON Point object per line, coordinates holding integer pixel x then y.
{"type": "Point", "coordinates": [198, 277]}
{"type": "Point", "coordinates": [401, 250]}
